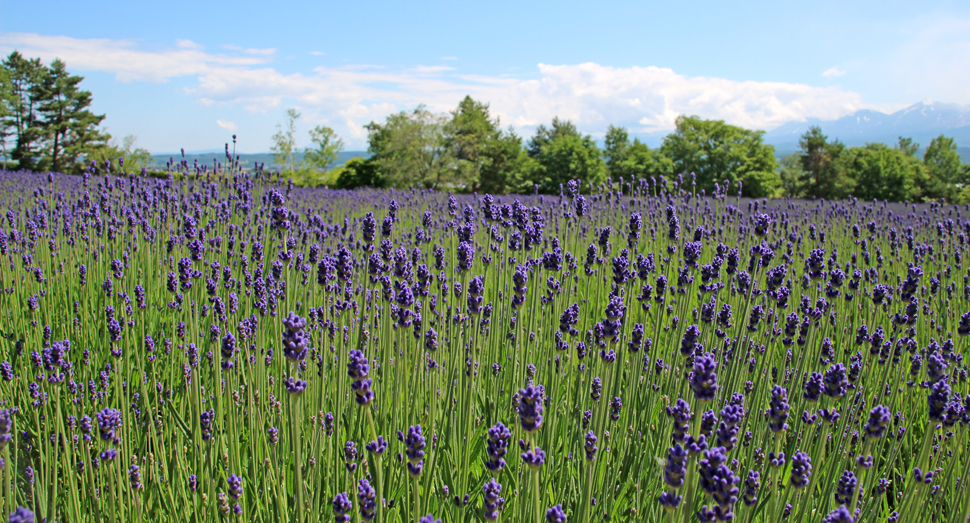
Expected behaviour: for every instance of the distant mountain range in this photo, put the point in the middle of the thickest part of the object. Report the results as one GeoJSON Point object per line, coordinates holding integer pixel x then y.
{"type": "Point", "coordinates": [922, 122]}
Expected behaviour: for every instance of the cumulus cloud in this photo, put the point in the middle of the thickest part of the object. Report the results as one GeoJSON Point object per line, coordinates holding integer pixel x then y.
{"type": "Point", "coordinates": [229, 126]}
{"type": "Point", "coordinates": [833, 72]}
{"type": "Point", "coordinates": [643, 99]}
{"type": "Point", "coordinates": [124, 58]}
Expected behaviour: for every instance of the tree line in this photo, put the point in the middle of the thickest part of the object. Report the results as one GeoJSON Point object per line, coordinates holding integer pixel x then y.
{"type": "Point", "coordinates": [468, 150]}
{"type": "Point", "coordinates": [46, 122]}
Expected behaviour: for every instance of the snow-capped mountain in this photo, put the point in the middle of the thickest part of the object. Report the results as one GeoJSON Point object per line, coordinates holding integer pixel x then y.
{"type": "Point", "coordinates": [922, 122]}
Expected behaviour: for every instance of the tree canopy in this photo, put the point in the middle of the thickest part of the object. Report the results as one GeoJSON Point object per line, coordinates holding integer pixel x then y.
{"type": "Point", "coordinates": [47, 115]}
{"type": "Point", "coordinates": [717, 152]}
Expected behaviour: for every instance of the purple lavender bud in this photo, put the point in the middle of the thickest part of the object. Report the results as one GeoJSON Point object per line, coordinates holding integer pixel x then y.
{"type": "Point", "coordinates": [717, 480]}
{"type": "Point", "coordinates": [835, 382]}
{"type": "Point", "coordinates": [689, 341]}
{"type": "Point", "coordinates": [296, 342]}
{"type": "Point", "coordinates": [378, 446]}
{"type": "Point", "coordinates": [530, 407]}
{"type": "Point", "coordinates": [751, 486]}
{"type": "Point", "coordinates": [703, 380]}
{"type": "Point", "coordinates": [670, 501]}
{"type": "Point", "coordinates": [615, 406]}
{"type": "Point", "coordinates": [681, 414]}
{"type": "Point", "coordinates": [846, 488]}
{"type": "Point", "coordinates": [556, 515]}
{"type": "Point", "coordinates": [235, 488]}
{"type": "Point", "coordinates": [357, 369]}
{"type": "Point", "coordinates": [365, 498]}
{"type": "Point", "coordinates": [813, 387]}
{"type": "Point", "coordinates": [493, 502]}
{"type": "Point", "coordinates": [801, 470]}
{"type": "Point", "coordinates": [839, 515]}
{"type": "Point", "coordinates": [676, 468]}
{"type": "Point", "coordinates": [294, 386]}
{"type": "Point", "coordinates": [108, 420]}
{"type": "Point", "coordinates": [342, 508]}
{"type": "Point", "coordinates": [778, 409]}
{"type": "Point", "coordinates": [6, 427]}
{"type": "Point", "coordinates": [590, 446]}
{"type": "Point", "coordinates": [415, 444]}
{"type": "Point", "coordinates": [534, 458]}
{"type": "Point", "coordinates": [879, 418]}
{"type": "Point", "coordinates": [22, 515]}
{"type": "Point", "coordinates": [497, 446]}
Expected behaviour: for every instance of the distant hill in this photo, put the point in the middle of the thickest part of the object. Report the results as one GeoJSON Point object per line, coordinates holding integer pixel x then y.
{"type": "Point", "coordinates": [922, 122]}
{"type": "Point", "coordinates": [247, 160]}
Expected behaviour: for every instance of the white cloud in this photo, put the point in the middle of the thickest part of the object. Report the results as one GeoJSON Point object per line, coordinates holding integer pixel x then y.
{"type": "Point", "coordinates": [432, 68]}
{"type": "Point", "coordinates": [833, 72]}
{"type": "Point", "coordinates": [449, 57]}
{"type": "Point", "coordinates": [317, 53]}
{"type": "Point", "coordinates": [643, 99]}
{"type": "Point", "coordinates": [229, 126]}
{"type": "Point", "coordinates": [123, 57]}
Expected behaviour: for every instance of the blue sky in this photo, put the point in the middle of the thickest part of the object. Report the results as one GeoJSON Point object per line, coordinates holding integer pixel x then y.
{"type": "Point", "coordinates": [190, 74]}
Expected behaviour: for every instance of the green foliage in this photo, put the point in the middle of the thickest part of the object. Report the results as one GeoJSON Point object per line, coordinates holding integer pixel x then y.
{"type": "Point", "coordinates": [358, 172]}
{"type": "Point", "coordinates": [791, 175]}
{"type": "Point", "coordinates": [67, 129]}
{"type": "Point", "coordinates": [284, 141]}
{"type": "Point", "coordinates": [561, 154]}
{"type": "Point", "coordinates": [135, 158]}
{"type": "Point", "coordinates": [502, 162]}
{"type": "Point", "coordinates": [944, 169]}
{"type": "Point", "coordinates": [469, 135]}
{"type": "Point", "coordinates": [305, 176]}
{"type": "Point", "coordinates": [631, 161]}
{"type": "Point", "coordinates": [883, 173]}
{"type": "Point", "coordinates": [760, 184]}
{"type": "Point", "coordinates": [412, 148]}
{"type": "Point", "coordinates": [327, 145]}
{"type": "Point", "coordinates": [20, 102]}
{"type": "Point", "coordinates": [823, 174]}
{"type": "Point", "coordinates": [7, 101]}
{"type": "Point", "coordinates": [47, 114]}
{"type": "Point", "coordinates": [718, 152]}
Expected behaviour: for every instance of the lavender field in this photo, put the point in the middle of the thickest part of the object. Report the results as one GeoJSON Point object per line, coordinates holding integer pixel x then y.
{"type": "Point", "coordinates": [234, 349]}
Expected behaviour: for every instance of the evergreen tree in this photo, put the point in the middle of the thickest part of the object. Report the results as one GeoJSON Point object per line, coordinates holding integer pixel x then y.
{"type": "Point", "coordinates": [823, 176]}
{"type": "Point", "coordinates": [19, 115]}
{"type": "Point", "coordinates": [67, 128]}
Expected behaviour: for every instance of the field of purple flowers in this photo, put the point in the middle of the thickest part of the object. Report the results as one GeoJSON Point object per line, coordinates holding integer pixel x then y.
{"type": "Point", "coordinates": [231, 349]}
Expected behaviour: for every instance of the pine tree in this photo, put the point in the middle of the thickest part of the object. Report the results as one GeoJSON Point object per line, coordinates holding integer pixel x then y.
{"type": "Point", "coordinates": [67, 128]}
{"type": "Point", "coordinates": [20, 106]}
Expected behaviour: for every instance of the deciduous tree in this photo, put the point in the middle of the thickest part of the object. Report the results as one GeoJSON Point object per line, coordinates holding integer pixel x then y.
{"type": "Point", "coordinates": [717, 152]}
{"type": "Point", "coordinates": [326, 146]}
